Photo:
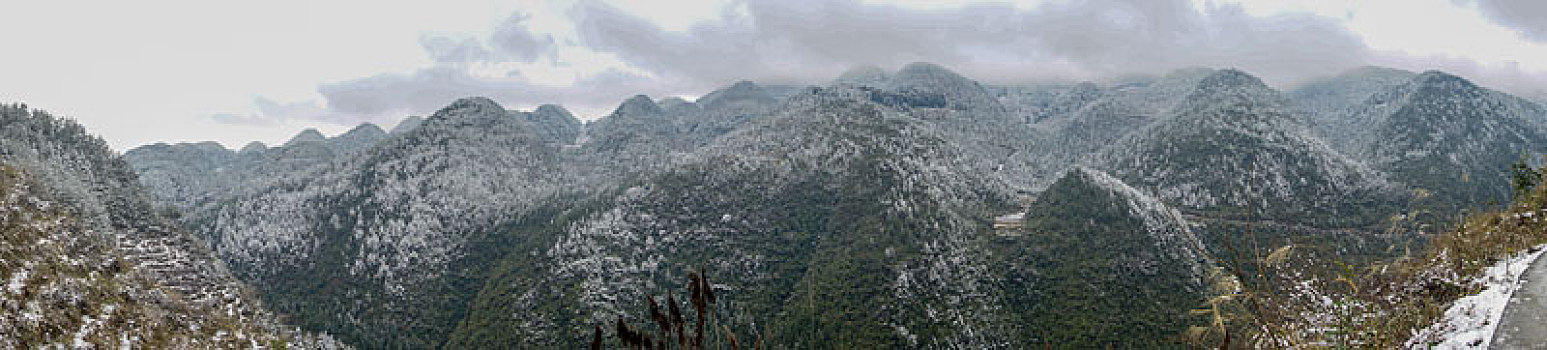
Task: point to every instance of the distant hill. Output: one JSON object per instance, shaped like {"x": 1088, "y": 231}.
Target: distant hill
{"x": 877, "y": 211}
{"x": 88, "y": 263}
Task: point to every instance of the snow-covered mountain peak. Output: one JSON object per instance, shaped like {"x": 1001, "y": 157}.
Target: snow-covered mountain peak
{"x": 639, "y": 105}
{"x": 1163, "y": 222}
{"x": 364, "y": 130}
{"x": 469, "y": 107}
{"x": 928, "y": 80}
{"x": 554, "y": 124}
{"x": 357, "y": 139}
{"x": 1156, "y": 214}
{"x": 254, "y": 147}
{"x": 678, "y": 106}
{"x": 1231, "y": 85}
{"x": 552, "y": 110}
{"x": 1433, "y": 79}
{"x": 409, "y": 123}
{"x": 743, "y": 93}
{"x": 308, "y": 135}
{"x": 863, "y": 76}
{"x": 930, "y": 76}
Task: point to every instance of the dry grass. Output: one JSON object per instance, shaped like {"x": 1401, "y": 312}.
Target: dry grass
{"x": 1310, "y": 300}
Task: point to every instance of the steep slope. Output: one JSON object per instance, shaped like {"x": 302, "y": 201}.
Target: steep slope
{"x": 407, "y": 124}
{"x": 642, "y": 135}
{"x": 88, "y": 263}
{"x": 1334, "y": 107}
{"x": 84, "y": 175}
{"x": 357, "y": 139}
{"x": 967, "y": 114}
{"x": 1099, "y": 263}
{"x": 678, "y": 106}
{"x": 1444, "y": 135}
{"x": 185, "y": 176}
{"x": 836, "y": 202}
{"x": 1035, "y": 103}
{"x": 1438, "y": 134}
{"x": 554, "y": 124}
{"x": 871, "y": 76}
{"x": 724, "y": 110}
{"x": 381, "y": 227}
{"x": 1232, "y": 140}
{"x": 957, "y": 91}
{"x": 376, "y": 248}
{"x": 310, "y": 135}
{"x": 1078, "y": 122}
{"x": 637, "y": 135}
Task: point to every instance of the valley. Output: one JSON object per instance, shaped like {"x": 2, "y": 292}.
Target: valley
{"x": 856, "y": 214}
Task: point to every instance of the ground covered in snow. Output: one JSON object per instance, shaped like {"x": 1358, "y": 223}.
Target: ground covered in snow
{"x": 1470, "y": 322}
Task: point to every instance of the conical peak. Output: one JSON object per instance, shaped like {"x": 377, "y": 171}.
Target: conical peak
{"x": 1229, "y": 87}
{"x": 1082, "y": 184}
{"x": 924, "y": 73}
{"x": 208, "y": 146}
{"x": 1231, "y": 79}
{"x": 308, "y": 135}
{"x": 673, "y": 101}
{"x": 253, "y": 147}
{"x": 470, "y": 106}
{"x": 409, "y": 123}
{"x": 863, "y": 76}
{"x": 678, "y": 106}
{"x": 552, "y": 110}
{"x": 923, "y": 67}
{"x": 550, "y": 114}
{"x": 365, "y": 129}
{"x": 959, "y": 92}
{"x": 638, "y": 105}
{"x": 1093, "y": 177}
{"x": 740, "y": 88}
{"x": 1436, "y": 79}
{"x": 744, "y": 85}
{"x": 735, "y": 94}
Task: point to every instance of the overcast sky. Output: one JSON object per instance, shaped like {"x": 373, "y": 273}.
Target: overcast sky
{"x": 139, "y": 72}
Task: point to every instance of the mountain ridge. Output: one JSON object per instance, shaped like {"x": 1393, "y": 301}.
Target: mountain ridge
{"x": 884, "y": 186}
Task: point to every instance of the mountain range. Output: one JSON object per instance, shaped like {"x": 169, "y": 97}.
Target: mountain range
{"x": 89, "y": 263}
{"x": 915, "y": 208}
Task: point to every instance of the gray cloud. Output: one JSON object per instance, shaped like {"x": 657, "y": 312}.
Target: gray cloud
{"x": 512, "y": 41}
{"x": 1509, "y": 77}
{"x": 809, "y": 41}
{"x": 1528, "y": 17}
{"x": 516, "y": 41}
{"x": 394, "y": 92}
{"x": 389, "y": 96}
{"x": 444, "y": 49}
{"x": 271, "y": 112}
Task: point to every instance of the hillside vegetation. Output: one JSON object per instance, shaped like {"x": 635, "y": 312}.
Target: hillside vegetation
{"x": 1309, "y": 296}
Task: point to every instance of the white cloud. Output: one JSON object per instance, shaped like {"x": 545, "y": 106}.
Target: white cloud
{"x": 810, "y": 42}
{"x": 184, "y": 70}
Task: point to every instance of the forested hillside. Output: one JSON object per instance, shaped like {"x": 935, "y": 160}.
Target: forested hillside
{"x": 915, "y": 208}
{"x": 88, "y": 263}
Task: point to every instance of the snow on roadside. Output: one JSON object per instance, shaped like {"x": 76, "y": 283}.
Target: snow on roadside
{"x": 1470, "y": 321}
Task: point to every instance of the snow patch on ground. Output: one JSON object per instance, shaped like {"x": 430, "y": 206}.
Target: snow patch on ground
{"x": 1469, "y": 322}
{"x": 17, "y": 282}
